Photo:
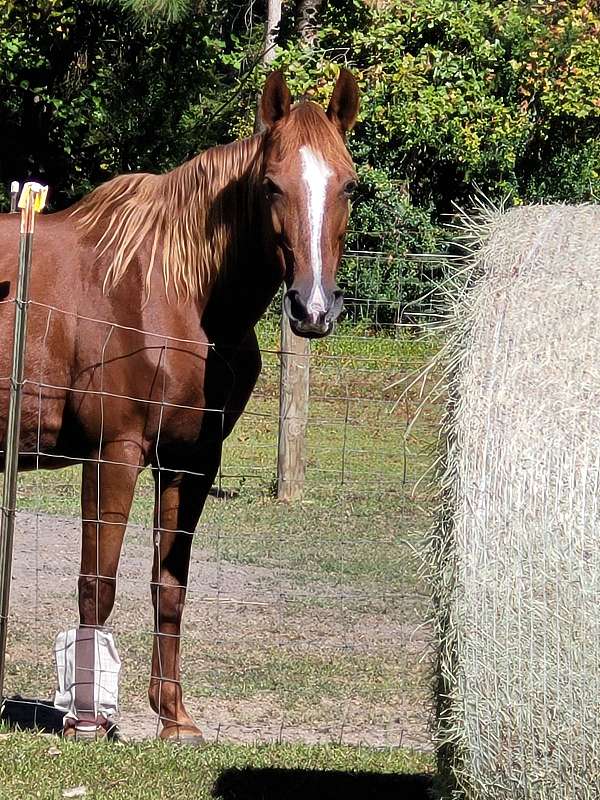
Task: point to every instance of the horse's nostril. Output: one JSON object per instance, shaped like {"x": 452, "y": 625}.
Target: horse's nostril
{"x": 336, "y": 307}
{"x": 317, "y": 318}
{"x": 313, "y": 314}
{"x": 294, "y": 306}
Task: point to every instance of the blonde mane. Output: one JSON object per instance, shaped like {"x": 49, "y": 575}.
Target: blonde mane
{"x": 187, "y": 214}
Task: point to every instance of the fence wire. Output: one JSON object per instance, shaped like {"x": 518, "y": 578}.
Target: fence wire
{"x": 302, "y": 622}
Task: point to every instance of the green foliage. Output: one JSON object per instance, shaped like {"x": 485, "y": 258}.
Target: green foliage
{"x": 501, "y": 96}
{"x": 459, "y": 96}
{"x": 87, "y": 92}
{"x": 387, "y": 231}
{"x": 465, "y": 93}
{"x": 148, "y": 10}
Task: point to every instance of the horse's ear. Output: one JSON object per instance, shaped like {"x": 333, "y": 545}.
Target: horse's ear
{"x": 343, "y": 106}
{"x": 276, "y": 99}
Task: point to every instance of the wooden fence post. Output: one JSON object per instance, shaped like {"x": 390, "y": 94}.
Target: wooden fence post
{"x": 295, "y": 353}
{"x": 293, "y": 412}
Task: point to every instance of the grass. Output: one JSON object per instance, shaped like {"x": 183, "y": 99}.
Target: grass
{"x": 329, "y": 646}
{"x": 36, "y": 766}
{"x": 355, "y": 438}
{"x": 369, "y": 549}
{"x": 360, "y": 464}
{"x": 304, "y": 682}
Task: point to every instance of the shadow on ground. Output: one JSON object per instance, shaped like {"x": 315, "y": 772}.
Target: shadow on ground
{"x": 31, "y": 714}
{"x": 27, "y": 714}
{"x": 303, "y": 784}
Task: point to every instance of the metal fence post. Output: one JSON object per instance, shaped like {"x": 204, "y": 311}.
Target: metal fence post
{"x": 14, "y": 196}
{"x": 32, "y": 201}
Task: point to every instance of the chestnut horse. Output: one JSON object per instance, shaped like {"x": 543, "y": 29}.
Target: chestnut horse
{"x": 141, "y": 348}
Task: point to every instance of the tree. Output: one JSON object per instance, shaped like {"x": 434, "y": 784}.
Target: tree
{"x": 148, "y": 10}
{"x": 498, "y": 94}
{"x": 86, "y": 93}
{"x": 270, "y": 41}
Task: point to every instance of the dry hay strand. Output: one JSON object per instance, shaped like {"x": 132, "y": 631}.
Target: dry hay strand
{"x": 515, "y": 557}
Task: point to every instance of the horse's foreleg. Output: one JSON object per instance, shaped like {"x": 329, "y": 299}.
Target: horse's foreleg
{"x": 106, "y": 495}
{"x": 89, "y": 694}
{"x": 179, "y": 502}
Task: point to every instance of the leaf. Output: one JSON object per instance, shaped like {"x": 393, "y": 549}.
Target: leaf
{"x": 76, "y": 791}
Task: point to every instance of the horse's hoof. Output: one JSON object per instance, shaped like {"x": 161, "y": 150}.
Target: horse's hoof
{"x": 85, "y": 733}
{"x": 77, "y": 732}
{"x": 188, "y": 736}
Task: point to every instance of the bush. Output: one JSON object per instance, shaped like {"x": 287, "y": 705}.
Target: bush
{"x": 465, "y": 93}
{"x": 381, "y": 275}
{"x": 457, "y": 95}
{"x": 86, "y": 92}
{"x": 457, "y": 98}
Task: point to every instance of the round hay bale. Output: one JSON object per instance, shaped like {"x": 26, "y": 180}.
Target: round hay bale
{"x": 516, "y": 556}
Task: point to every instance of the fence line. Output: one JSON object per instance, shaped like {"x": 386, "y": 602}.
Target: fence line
{"x": 287, "y": 599}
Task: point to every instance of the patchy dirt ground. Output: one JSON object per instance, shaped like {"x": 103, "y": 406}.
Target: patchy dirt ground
{"x": 265, "y": 656}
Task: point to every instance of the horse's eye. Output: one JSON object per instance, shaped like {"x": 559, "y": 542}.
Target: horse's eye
{"x": 271, "y": 188}
{"x": 349, "y": 188}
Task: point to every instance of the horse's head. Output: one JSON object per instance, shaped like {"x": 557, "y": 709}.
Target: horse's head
{"x": 307, "y": 181}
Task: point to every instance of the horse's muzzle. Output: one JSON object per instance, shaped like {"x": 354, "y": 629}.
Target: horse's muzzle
{"x": 312, "y": 323}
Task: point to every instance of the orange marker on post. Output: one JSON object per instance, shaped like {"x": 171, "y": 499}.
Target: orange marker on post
{"x": 31, "y": 202}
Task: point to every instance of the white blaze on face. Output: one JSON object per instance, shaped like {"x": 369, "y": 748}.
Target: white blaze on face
{"x": 315, "y": 174}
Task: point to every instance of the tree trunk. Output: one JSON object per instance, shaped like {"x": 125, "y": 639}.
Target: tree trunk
{"x": 273, "y": 20}
{"x": 271, "y": 32}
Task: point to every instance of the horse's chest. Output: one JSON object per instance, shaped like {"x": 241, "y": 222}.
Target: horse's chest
{"x": 143, "y": 385}
{"x": 182, "y": 405}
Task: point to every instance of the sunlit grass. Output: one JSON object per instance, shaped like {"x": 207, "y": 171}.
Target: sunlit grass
{"x": 34, "y": 766}
{"x": 332, "y": 580}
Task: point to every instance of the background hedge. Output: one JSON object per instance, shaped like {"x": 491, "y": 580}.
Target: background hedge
{"x": 457, "y": 96}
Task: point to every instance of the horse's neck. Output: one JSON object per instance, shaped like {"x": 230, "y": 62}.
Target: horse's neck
{"x": 244, "y": 290}
{"x": 239, "y": 242}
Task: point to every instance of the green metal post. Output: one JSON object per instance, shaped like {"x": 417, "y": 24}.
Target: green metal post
{"x": 11, "y": 460}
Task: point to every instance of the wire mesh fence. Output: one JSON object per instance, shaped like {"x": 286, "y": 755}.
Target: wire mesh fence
{"x": 302, "y": 622}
